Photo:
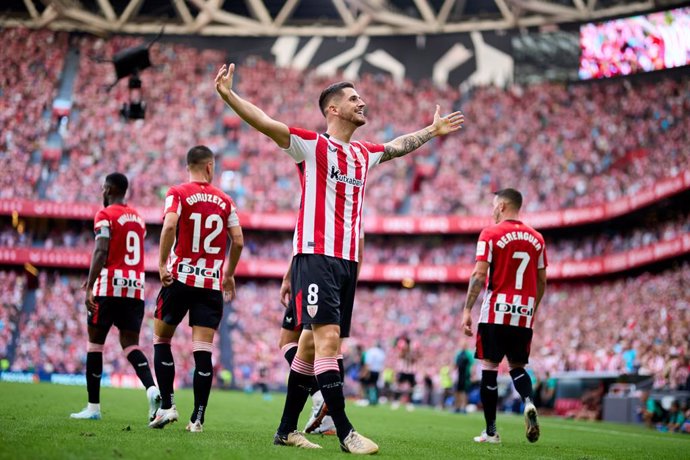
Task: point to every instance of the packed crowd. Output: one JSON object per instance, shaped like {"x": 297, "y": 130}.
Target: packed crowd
{"x": 29, "y": 75}
{"x": 388, "y": 249}
{"x": 577, "y": 328}
{"x": 561, "y": 146}
{"x": 11, "y": 295}
{"x": 181, "y": 111}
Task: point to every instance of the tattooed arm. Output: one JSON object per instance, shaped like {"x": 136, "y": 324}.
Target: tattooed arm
{"x": 477, "y": 280}
{"x": 409, "y": 142}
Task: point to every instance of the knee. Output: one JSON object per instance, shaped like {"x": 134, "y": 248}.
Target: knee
{"x": 328, "y": 344}
{"x": 128, "y": 340}
{"x": 516, "y": 366}
{"x": 489, "y": 366}
{"x": 287, "y": 337}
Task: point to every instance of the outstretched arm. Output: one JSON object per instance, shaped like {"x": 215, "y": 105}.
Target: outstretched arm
{"x": 247, "y": 111}
{"x": 409, "y": 142}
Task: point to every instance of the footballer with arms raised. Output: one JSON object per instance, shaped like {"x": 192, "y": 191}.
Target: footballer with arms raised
{"x": 333, "y": 173}
{"x": 115, "y": 292}
{"x": 511, "y": 264}
{"x": 199, "y": 219}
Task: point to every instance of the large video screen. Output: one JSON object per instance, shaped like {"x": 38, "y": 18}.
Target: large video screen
{"x": 636, "y": 44}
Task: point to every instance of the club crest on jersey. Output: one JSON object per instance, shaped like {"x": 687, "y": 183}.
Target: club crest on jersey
{"x": 128, "y": 283}
{"x": 312, "y": 309}
{"x": 340, "y": 177}
{"x": 186, "y": 269}
{"x": 514, "y": 309}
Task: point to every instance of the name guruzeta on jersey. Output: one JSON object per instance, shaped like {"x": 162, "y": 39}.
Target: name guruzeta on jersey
{"x": 207, "y": 198}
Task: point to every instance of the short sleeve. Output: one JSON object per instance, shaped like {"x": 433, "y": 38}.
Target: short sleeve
{"x": 173, "y": 202}
{"x": 233, "y": 218}
{"x": 101, "y": 225}
{"x": 484, "y": 247}
{"x": 542, "y": 263}
{"x": 302, "y": 142}
{"x": 375, "y": 153}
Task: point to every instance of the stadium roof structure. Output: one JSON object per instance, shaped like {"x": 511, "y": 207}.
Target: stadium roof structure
{"x": 335, "y": 18}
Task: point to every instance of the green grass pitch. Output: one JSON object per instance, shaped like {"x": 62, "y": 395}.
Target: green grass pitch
{"x": 35, "y": 424}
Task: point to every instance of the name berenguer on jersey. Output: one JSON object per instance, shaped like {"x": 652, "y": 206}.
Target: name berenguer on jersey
{"x": 518, "y": 236}
{"x": 207, "y": 198}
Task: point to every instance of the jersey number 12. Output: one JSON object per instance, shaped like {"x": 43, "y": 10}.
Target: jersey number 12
{"x": 214, "y": 222}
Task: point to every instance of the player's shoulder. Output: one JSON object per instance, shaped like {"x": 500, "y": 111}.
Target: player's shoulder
{"x": 102, "y": 213}
{"x": 129, "y": 209}
{"x": 303, "y": 133}
{"x": 368, "y": 146}
{"x": 491, "y": 231}
{"x": 532, "y": 230}
{"x": 216, "y": 191}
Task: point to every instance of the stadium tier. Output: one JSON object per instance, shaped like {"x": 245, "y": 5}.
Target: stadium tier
{"x": 569, "y": 150}
{"x": 421, "y": 258}
{"x": 581, "y": 327}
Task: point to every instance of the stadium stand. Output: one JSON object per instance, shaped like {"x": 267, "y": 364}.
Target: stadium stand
{"x": 547, "y": 131}
{"x": 581, "y": 327}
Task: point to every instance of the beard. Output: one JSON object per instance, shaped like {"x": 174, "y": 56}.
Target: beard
{"x": 359, "y": 120}
{"x": 105, "y": 202}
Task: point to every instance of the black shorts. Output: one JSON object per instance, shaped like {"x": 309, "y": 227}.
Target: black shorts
{"x": 406, "y": 377}
{"x": 124, "y": 312}
{"x": 290, "y": 318}
{"x": 494, "y": 341}
{"x": 205, "y": 306}
{"x": 323, "y": 291}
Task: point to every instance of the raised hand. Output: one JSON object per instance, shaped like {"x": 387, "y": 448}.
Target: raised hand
{"x": 224, "y": 80}
{"x": 449, "y": 123}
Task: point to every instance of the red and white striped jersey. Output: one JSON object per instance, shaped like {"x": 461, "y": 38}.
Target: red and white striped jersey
{"x": 407, "y": 362}
{"x": 333, "y": 175}
{"x": 123, "y": 272}
{"x": 515, "y": 252}
{"x": 205, "y": 213}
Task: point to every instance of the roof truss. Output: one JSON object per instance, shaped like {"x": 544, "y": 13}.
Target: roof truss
{"x": 349, "y": 18}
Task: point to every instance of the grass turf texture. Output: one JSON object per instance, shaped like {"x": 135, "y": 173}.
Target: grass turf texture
{"x": 35, "y": 424}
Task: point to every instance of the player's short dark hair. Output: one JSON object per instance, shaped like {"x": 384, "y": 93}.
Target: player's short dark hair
{"x": 118, "y": 181}
{"x": 510, "y": 195}
{"x": 336, "y": 89}
{"x": 199, "y": 154}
